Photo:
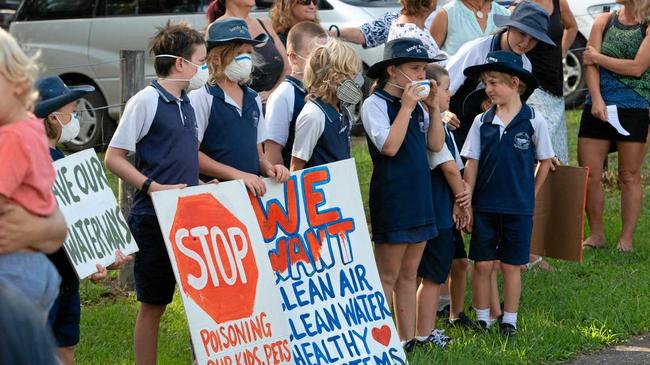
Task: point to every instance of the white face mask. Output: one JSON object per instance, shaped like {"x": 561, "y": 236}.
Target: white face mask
{"x": 239, "y": 70}
{"x": 197, "y": 81}
{"x": 69, "y": 131}
{"x": 424, "y": 83}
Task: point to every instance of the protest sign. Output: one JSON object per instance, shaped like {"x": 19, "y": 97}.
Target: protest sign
{"x": 315, "y": 230}
{"x": 96, "y": 226}
{"x": 224, "y": 274}
{"x": 558, "y": 224}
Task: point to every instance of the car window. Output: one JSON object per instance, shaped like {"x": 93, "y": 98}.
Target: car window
{"x": 55, "y": 9}
{"x": 150, "y": 7}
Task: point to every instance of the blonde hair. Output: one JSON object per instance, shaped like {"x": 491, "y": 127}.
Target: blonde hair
{"x": 18, "y": 68}
{"x": 327, "y": 66}
{"x": 220, "y": 56}
{"x": 282, "y": 18}
{"x": 506, "y": 78}
{"x": 641, "y": 10}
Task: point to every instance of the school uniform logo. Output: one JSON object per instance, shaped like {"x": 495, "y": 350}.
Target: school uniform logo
{"x": 255, "y": 115}
{"x": 522, "y": 141}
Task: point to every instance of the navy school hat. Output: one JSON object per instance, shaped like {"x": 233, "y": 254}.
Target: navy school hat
{"x": 226, "y": 30}
{"x": 401, "y": 50}
{"x": 506, "y": 62}
{"x": 55, "y": 94}
{"x": 529, "y": 18}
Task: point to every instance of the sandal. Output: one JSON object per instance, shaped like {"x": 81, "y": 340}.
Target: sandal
{"x": 587, "y": 244}
{"x": 620, "y": 248}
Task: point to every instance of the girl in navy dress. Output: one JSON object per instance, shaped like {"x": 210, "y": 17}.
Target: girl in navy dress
{"x": 228, "y": 112}
{"x": 396, "y": 119}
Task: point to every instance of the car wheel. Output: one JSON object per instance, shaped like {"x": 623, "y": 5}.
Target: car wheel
{"x": 96, "y": 126}
{"x": 575, "y": 84}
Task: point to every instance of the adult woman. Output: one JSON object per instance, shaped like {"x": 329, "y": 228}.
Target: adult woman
{"x": 287, "y": 13}
{"x": 460, "y": 21}
{"x": 272, "y": 55}
{"x": 410, "y": 24}
{"x": 623, "y": 79}
{"x": 548, "y": 99}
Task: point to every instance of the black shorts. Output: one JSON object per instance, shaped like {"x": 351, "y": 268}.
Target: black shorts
{"x": 437, "y": 256}
{"x": 154, "y": 277}
{"x": 504, "y": 237}
{"x": 634, "y": 121}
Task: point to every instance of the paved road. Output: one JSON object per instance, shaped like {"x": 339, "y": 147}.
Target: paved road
{"x": 636, "y": 351}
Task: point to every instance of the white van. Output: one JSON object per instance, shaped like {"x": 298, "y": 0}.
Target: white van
{"x": 80, "y": 41}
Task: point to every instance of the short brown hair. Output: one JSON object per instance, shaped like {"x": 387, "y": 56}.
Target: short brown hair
{"x": 415, "y": 7}
{"x": 436, "y": 72}
{"x": 302, "y": 33}
{"x": 173, "y": 39}
{"x": 507, "y": 78}
{"x": 282, "y": 18}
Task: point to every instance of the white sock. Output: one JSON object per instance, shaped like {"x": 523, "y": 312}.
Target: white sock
{"x": 421, "y": 338}
{"x": 483, "y": 315}
{"x": 510, "y": 318}
{"x": 443, "y": 301}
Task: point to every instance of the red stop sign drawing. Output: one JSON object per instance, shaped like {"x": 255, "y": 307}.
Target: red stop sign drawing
{"x": 215, "y": 258}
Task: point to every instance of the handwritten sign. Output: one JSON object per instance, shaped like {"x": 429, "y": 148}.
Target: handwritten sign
{"x": 222, "y": 268}
{"x": 96, "y": 226}
{"x": 316, "y": 234}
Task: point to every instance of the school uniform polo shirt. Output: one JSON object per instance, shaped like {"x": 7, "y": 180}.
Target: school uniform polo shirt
{"x": 322, "y": 134}
{"x": 229, "y": 133}
{"x": 282, "y": 110}
{"x": 505, "y": 181}
{"x": 160, "y": 130}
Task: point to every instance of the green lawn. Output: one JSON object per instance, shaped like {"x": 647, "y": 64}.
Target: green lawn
{"x": 575, "y": 309}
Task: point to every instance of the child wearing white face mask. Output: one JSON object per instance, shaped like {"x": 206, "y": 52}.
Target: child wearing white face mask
{"x": 229, "y": 114}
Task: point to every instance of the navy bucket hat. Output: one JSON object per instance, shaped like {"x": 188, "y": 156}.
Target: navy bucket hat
{"x": 226, "y": 30}
{"x": 529, "y": 18}
{"x": 401, "y": 50}
{"x": 506, "y": 62}
{"x": 55, "y": 94}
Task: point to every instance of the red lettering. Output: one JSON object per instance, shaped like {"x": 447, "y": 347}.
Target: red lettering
{"x": 314, "y": 197}
{"x": 277, "y": 216}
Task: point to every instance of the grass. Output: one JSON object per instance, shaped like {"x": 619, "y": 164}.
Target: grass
{"x": 575, "y": 309}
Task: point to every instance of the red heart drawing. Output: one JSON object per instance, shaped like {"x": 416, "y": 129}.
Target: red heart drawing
{"x": 382, "y": 335}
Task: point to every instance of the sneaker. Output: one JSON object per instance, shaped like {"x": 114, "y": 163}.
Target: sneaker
{"x": 462, "y": 321}
{"x": 444, "y": 312}
{"x": 507, "y": 330}
{"x": 437, "y": 338}
{"x": 483, "y": 326}
{"x": 409, "y": 346}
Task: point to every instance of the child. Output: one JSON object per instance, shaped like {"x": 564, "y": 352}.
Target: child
{"x": 502, "y": 146}
{"x": 399, "y": 135}
{"x": 526, "y": 26}
{"x": 439, "y": 252}
{"x": 229, "y": 114}
{"x": 57, "y": 106}
{"x": 27, "y": 175}
{"x": 158, "y": 126}
{"x": 323, "y": 126}
{"x": 286, "y": 102}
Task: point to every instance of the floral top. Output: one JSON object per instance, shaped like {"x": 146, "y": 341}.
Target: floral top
{"x": 375, "y": 32}
{"x": 410, "y": 30}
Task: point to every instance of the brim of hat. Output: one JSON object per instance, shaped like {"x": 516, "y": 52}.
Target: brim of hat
{"x": 261, "y": 38}
{"x": 375, "y": 70}
{"x": 47, "y": 107}
{"x": 502, "y": 21}
{"x": 473, "y": 72}
{"x": 474, "y": 100}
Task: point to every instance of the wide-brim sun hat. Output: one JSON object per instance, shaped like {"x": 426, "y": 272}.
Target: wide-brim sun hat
{"x": 506, "y": 62}
{"x": 529, "y": 18}
{"x": 55, "y": 94}
{"x": 399, "y": 51}
{"x": 225, "y": 30}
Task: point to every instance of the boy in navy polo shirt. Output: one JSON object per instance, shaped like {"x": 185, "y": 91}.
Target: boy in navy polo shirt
{"x": 502, "y": 147}
{"x": 286, "y": 102}
{"x": 158, "y": 126}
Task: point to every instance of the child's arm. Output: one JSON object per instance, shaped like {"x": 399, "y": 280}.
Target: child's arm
{"x": 543, "y": 150}
{"x": 471, "y": 171}
{"x": 273, "y": 152}
{"x": 297, "y": 164}
{"x": 19, "y": 229}
{"x": 117, "y": 163}
{"x": 278, "y": 171}
{"x": 435, "y": 133}
{"x": 210, "y": 167}
{"x": 400, "y": 125}
{"x": 542, "y": 172}
{"x": 452, "y": 174}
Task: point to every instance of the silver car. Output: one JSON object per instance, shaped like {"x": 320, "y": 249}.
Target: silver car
{"x": 80, "y": 41}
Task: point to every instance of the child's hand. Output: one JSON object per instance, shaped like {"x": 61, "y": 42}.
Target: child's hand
{"x": 254, "y": 184}
{"x": 464, "y": 199}
{"x": 213, "y": 181}
{"x": 452, "y": 120}
{"x": 160, "y": 187}
{"x": 100, "y": 275}
{"x": 470, "y": 220}
{"x": 280, "y": 172}
{"x": 432, "y": 100}
{"x": 460, "y": 217}
{"x": 410, "y": 96}
{"x": 120, "y": 260}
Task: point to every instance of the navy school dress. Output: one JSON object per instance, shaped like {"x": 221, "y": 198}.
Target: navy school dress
{"x": 230, "y": 138}
{"x": 443, "y": 196}
{"x": 299, "y": 95}
{"x": 401, "y": 202}
{"x": 334, "y": 143}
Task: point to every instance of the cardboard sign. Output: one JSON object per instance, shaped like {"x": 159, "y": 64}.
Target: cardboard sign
{"x": 225, "y": 278}
{"x": 558, "y": 225}
{"x": 315, "y": 231}
{"x": 96, "y": 226}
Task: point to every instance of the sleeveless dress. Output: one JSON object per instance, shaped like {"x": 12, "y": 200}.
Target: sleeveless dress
{"x": 268, "y": 73}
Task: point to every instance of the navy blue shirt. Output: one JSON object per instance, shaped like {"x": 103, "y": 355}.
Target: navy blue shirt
{"x": 334, "y": 143}
{"x": 443, "y": 196}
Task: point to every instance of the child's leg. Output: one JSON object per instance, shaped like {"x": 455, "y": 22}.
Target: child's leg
{"x": 66, "y": 355}
{"x": 483, "y": 250}
{"x": 405, "y": 291}
{"x": 389, "y": 260}
{"x": 145, "y": 336}
{"x": 457, "y": 284}
{"x": 511, "y": 287}
{"x": 481, "y": 284}
{"x": 427, "y": 302}
{"x": 495, "y": 303}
